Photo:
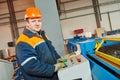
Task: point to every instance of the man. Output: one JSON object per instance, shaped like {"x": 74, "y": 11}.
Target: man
{"x": 35, "y": 54}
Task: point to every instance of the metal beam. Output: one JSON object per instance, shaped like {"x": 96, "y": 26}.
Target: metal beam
{"x": 109, "y": 21}
{"x": 58, "y": 2}
{"x": 90, "y": 6}
{"x": 5, "y": 23}
{"x": 69, "y": 1}
{"x": 2, "y": 2}
{"x": 4, "y": 17}
{"x": 97, "y": 14}
{"x": 77, "y": 16}
{"x": 90, "y": 14}
{"x": 13, "y": 21}
{"x": 5, "y": 1}
{"x": 14, "y": 12}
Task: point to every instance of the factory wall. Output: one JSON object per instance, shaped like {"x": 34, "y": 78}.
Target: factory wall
{"x": 5, "y": 31}
{"x": 5, "y": 27}
{"x": 5, "y": 36}
{"x": 111, "y": 11}
{"x": 80, "y": 14}
{"x": 75, "y": 15}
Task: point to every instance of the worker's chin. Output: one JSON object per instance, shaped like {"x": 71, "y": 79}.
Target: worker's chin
{"x": 37, "y": 30}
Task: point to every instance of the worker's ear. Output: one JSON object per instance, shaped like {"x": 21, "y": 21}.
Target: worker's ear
{"x": 27, "y": 22}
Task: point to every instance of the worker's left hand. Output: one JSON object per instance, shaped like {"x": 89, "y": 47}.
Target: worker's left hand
{"x": 59, "y": 66}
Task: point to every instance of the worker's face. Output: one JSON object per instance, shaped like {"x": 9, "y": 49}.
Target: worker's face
{"x": 34, "y": 24}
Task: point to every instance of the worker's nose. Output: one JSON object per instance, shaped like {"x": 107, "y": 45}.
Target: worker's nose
{"x": 37, "y": 22}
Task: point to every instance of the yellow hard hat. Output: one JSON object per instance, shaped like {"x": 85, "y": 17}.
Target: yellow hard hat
{"x": 32, "y": 13}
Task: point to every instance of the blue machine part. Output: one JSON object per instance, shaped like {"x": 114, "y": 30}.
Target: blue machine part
{"x": 71, "y": 45}
{"x": 71, "y": 48}
{"x": 78, "y": 39}
{"x": 100, "y": 69}
{"x": 87, "y": 47}
{"x": 113, "y": 32}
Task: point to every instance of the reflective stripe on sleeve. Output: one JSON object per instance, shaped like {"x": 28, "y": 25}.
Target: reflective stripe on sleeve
{"x": 27, "y": 60}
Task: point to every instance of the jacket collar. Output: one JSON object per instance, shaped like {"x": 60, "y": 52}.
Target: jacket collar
{"x": 29, "y": 33}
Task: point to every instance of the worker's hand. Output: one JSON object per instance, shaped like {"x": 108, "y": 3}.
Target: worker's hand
{"x": 59, "y": 66}
{"x": 61, "y": 60}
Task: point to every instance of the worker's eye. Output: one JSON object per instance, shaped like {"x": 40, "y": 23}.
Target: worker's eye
{"x": 39, "y": 20}
{"x": 33, "y": 21}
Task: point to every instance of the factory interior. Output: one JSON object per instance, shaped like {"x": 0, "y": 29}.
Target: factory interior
{"x": 84, "y": 33}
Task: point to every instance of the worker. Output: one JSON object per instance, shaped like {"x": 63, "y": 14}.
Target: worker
{"x": 36, "y": 56}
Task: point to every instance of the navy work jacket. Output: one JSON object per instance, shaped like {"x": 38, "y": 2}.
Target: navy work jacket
{"x": 36, "y": 56}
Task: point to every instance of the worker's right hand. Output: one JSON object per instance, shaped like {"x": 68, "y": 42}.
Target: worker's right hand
{"x": 59, "y": 66}
{"x": 61, "y": 59}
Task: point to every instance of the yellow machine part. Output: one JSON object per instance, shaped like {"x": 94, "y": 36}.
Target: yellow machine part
{"x": 98, "y": 45}
{"x": 108, "y": 58}
{"x": 111, "y": 39}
